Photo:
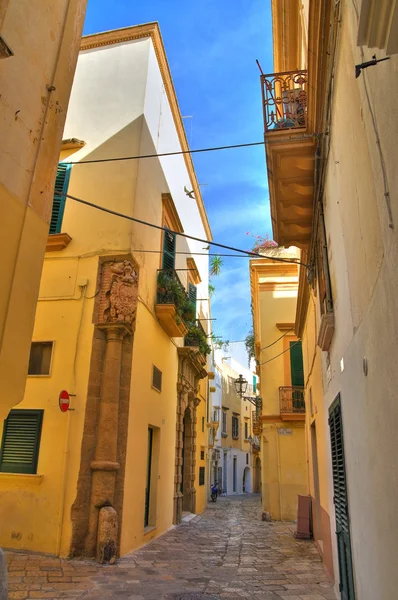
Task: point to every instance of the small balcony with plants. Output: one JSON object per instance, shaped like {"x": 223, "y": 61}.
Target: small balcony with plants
{"x": 173, "y": 307}
{"x": 196, "y": 337}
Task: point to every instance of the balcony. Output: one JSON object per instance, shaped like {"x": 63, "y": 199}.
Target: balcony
{"x": 173, "y": 308}
{"x": 284, "y": 100}
{"x": 292, "y": 405}
{"x": 290, "y": 149}
{"x": 196, "y": 337}
{"x": 257, "y": 425}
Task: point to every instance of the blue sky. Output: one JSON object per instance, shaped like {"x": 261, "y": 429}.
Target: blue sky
{"x": 212, "y": 46}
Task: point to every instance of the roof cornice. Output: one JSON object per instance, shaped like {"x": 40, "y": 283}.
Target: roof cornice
{"x": 152, "y": 31}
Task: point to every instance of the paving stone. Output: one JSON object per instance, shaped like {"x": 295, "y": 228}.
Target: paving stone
{"x": 227, "y": 554}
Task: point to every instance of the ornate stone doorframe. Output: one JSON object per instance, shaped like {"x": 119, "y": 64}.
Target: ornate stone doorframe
{"x": 96, "y": 512}
{"x": 190, "y": 371}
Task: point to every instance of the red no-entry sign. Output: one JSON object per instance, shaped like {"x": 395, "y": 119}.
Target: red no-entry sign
{"x": 64, "y": 400}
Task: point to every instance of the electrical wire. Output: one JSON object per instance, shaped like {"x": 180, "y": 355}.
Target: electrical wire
{"x": 279, "y": 338}
{"x": 184, "y": 235}
{"x": 195, "y": 253}
{"x": 280, "y": 354}
{"x": 215, "y": 148}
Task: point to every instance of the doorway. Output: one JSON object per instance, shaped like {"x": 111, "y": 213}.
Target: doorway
{"x": 257, "y": 487}
{"x": 246, "y": 480}
{"x": 341, "y": 502}
{"x": 187, "y": 463}
{"x": 234, "y": 473}
{"x": 148, "y": 477}
{"x": 224, "y": 481}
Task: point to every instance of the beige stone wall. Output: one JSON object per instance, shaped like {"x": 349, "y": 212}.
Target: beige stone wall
{"x": 361, "y": 213}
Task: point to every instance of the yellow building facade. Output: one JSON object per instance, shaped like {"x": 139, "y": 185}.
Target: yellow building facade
{"x": 42, "y": 44}
{"x": 278, "y": 352}
{"x": 121, "y": 324}
{"x": 330, "y": 129}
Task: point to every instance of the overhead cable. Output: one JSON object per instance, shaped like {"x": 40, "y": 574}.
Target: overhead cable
{"x": 280, "y": 354}
{"x": 185, "y": 235}
{"x": 213, "y": 149}
{"x": 279, "y": 338}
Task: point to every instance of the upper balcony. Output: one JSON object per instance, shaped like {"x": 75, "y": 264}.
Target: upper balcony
{"x": 197, "y": 338}
{"x": 292, "y": 404}
{"x": 284, "y": 100}
{"x": 290, "y": 149}
{"x": 173, "y": 307}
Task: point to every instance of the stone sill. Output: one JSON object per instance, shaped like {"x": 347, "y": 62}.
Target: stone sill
{"x": 57, "y": 242}
{"x": 20, "y": 479}
{"x": 224, "y": 435}
{"x": 149, "y": 529}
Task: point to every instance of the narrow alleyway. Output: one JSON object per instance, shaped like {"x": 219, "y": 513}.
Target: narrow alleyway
{"x": 226, "y": 553}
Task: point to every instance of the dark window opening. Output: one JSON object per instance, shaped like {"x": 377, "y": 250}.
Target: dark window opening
{"x": 157, "y": 379}
{"x": 40, "y": 358}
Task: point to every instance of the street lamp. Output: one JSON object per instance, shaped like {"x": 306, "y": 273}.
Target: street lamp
{"x": 241, "y": 387}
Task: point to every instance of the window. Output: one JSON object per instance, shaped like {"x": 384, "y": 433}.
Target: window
{"x": 203, "y": 424}
{"x": 224, "y": 423}
{"x": 192, "y": 293}
{"x": 296, "y": 364}
{"x": 235, "y": 428}
{"x": 21, "y": 440}
{"x": 40, "y": 358}
{"x": 202, "y": 455}
{"x": 247, "y": 459}
{"x": 246, "y": 430}
{"x": 201, "y": 475}
{"x": 169, "y": 250}
{"x": 157, "y": 379}
{"x": 60, "y": 188}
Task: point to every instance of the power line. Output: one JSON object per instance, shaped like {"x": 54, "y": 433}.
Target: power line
{"x": 194, "y": 253}
{"x": 279, "y": 338}
{"x": 280, "y": 354}
{"x": 212, "y": 149}
{"x": 185, "y": 235}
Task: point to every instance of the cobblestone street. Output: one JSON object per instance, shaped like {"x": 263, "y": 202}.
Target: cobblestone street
{"x": 226, "y": 553}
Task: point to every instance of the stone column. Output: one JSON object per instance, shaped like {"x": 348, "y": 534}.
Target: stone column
{"x": 105, "y": 465}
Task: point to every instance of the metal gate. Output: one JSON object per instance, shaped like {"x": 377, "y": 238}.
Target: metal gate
{"x": 341, "y": 502}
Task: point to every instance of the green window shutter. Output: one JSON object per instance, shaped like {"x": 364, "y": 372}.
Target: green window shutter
{"x": 254, "y": 384}
{"x": 192, "y": 293}
{"x": 60, "y": 188}
{"x": 169, "y": 250}
{"x": 21, "y": 440}
{"x": 296, "y": 364}
{"x": 341, "y": 502}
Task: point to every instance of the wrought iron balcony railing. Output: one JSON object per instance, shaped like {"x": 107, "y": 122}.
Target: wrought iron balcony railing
{"x": 284, "y": 100}
{"x": 291, "y": 400}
